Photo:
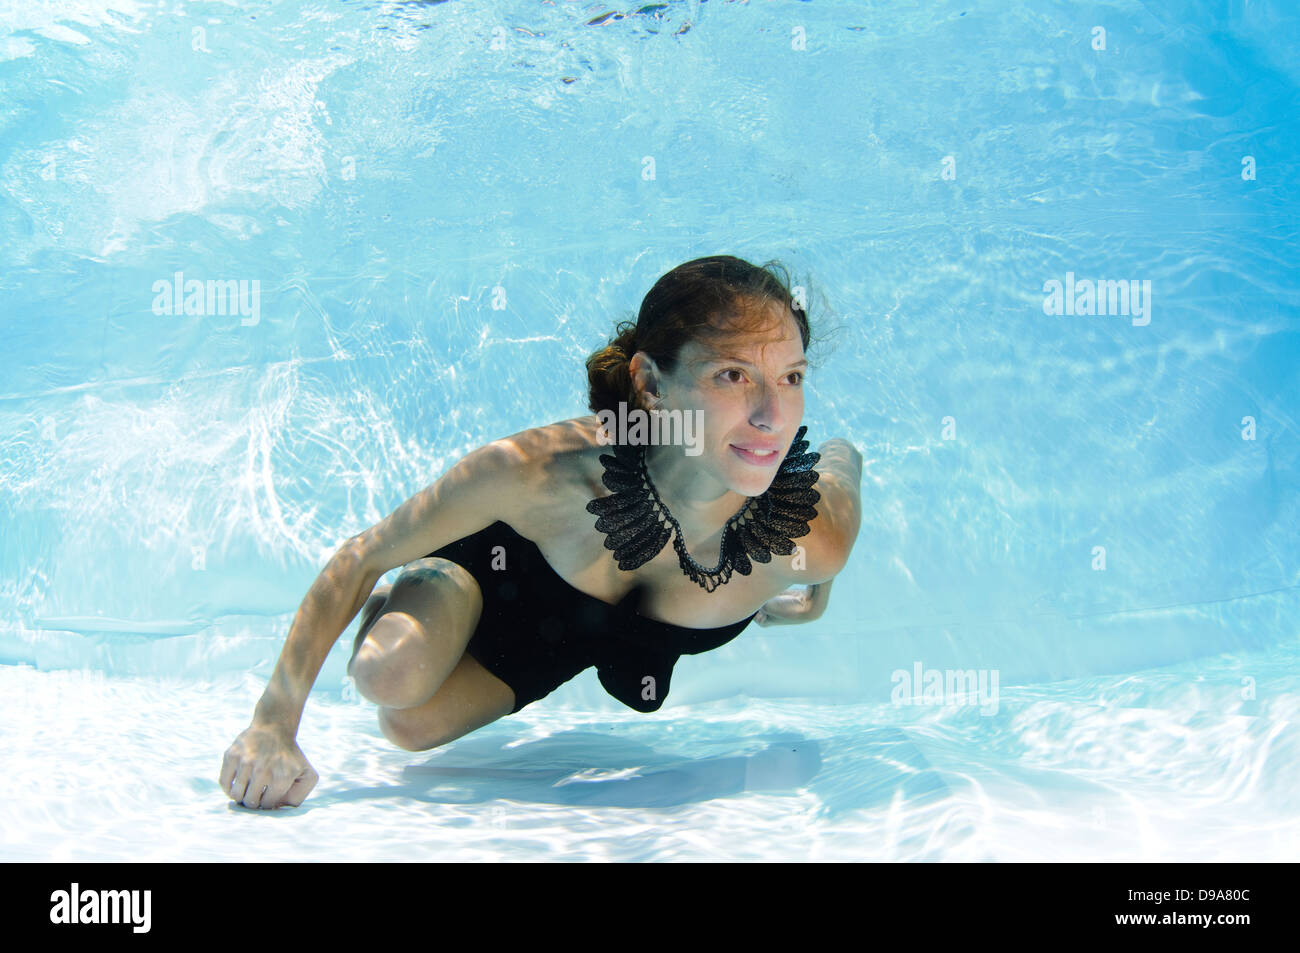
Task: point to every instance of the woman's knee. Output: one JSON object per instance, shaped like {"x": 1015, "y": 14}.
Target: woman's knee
{"x": 394, "y": 665}
{"x": 411, "y": 646}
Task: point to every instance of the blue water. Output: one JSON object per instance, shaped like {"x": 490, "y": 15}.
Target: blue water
{"x": 446, "y": 207}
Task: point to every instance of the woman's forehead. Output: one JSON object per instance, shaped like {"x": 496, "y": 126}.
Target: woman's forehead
{"x": 773, "y": 345}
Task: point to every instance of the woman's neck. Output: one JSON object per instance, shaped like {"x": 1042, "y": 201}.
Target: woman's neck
{"x": 700, "y": 504}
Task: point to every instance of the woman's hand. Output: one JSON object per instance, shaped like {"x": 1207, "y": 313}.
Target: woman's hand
{"x": 265, "y": 768}
{"x": 795, "y": 605}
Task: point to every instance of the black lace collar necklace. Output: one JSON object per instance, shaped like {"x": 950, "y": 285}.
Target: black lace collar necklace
{"x": 636, "y": 523}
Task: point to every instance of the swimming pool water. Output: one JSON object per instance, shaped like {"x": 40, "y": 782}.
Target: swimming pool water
{"x": 431, "y": 214}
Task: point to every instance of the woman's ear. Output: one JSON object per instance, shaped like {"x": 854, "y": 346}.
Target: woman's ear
{"x": 645, "y": 378}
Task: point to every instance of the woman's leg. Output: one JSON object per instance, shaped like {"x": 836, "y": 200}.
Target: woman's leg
{"x": 374, "y": 605}
{"x": 470, "y": 698}
{"x": 409, "y": 657}
{"x": 418, "y": 635}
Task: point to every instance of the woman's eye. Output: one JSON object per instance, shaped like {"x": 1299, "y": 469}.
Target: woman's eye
{"x": 797, "y": 375}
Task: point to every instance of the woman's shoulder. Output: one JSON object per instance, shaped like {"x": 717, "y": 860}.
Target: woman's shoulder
{"x": 562, "y": 460}
{"x": 558, "y": 449}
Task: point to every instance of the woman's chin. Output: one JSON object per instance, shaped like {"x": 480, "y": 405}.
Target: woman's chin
{"x": 750, "y": 484}
{"x": 745, "y": 478}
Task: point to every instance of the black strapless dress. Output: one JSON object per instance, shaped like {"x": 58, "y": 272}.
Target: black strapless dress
{"x": 537, "y": 631}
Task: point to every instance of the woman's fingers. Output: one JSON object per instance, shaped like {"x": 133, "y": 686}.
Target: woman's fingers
{"x": 229, "y": 767}
{"x": 300, "y": 788}
{"x": 239, "y": 787}
{"x": 265, "y": 768}
{"x": 792, "y": 607}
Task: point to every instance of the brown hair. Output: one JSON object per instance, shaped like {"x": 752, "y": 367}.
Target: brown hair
{"x": 683, "y": 306}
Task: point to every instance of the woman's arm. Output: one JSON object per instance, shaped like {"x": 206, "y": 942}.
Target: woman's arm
{"x": 796, "y": 605}
{"x": 839, "y": 515}
{"x": 470, "y": 496}
{"x": 840, "y": 484}
{"x": 264, "y": 767}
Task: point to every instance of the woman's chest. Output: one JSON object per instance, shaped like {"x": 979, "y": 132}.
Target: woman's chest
{"x": 565, "y": 534}
{"x": 575, "y": 551}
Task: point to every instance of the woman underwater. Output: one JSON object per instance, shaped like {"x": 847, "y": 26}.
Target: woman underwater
{"x": 550, "y": 547}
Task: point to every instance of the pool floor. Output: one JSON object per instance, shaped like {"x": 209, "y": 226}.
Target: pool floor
{"x": 1163, "y": 765}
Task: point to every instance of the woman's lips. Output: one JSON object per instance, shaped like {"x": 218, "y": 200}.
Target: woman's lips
{"x": 758, "y": 460}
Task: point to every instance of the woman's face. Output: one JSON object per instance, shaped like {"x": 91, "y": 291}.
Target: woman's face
{"x": 749, "y": 394}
